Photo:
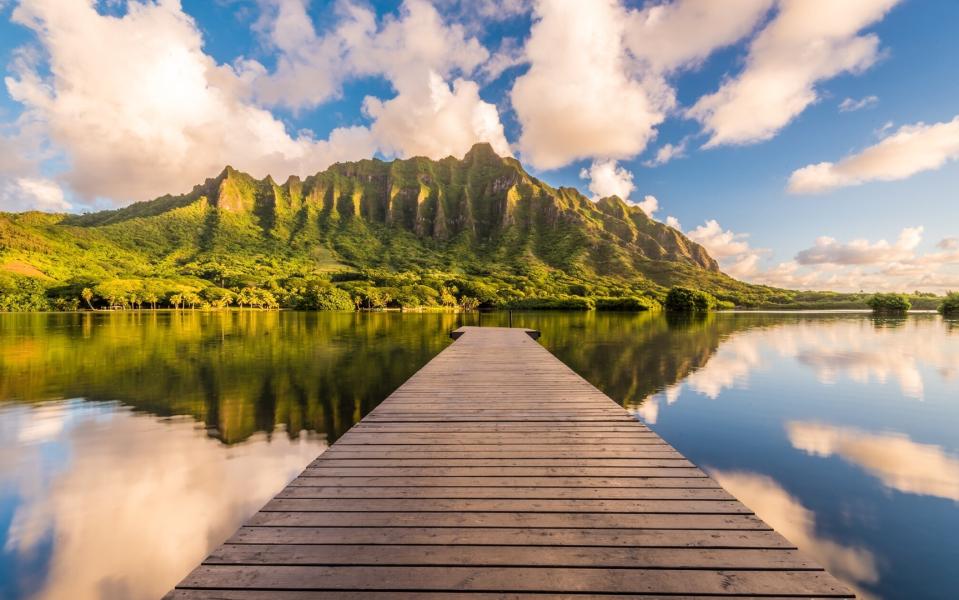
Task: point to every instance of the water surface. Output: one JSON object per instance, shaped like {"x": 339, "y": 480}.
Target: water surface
{"x": 131, "y": 444}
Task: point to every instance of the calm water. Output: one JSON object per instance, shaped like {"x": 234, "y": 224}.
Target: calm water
{"x": 131, "y": 444}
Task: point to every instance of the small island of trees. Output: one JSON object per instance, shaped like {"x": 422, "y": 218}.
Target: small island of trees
{"x": 889, "y": 304}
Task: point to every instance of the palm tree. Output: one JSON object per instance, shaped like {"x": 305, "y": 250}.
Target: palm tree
{"x": 176, "y": 300}
{"x": 152, "y": 299}
{"x": 87, "y": 295}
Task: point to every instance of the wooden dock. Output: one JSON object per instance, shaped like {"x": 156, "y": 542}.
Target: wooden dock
{"x": 498, "y": 472}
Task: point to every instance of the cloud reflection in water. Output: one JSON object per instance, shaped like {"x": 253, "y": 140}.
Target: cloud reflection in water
{"x": 899, "y": 462}
{"x": 131, "y": 502}
{"x": 788, "y": 516}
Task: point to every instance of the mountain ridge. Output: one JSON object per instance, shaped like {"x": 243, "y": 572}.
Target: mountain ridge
{"x": 482, "y": 217}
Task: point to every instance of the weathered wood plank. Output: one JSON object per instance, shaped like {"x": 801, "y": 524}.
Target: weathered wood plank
{"x": 514, "y": 536}
{"x": 506, "y": 519}
{"x": 725, "y": 507}
{"x": 331, "y": 461}
{"x": 321, "y": 470}
{"x": 511, "y": 556}
{"x": 497, "y": 472}
{"x": 515, "y": 579}
{"x": 504, "y": 492}
{"x": 572, "y": 482}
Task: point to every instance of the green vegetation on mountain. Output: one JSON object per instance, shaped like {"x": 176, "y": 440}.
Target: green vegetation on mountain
{"x": 416, "y": 233}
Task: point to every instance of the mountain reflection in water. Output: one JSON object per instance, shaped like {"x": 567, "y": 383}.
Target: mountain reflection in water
{"x": 132, "y": 443}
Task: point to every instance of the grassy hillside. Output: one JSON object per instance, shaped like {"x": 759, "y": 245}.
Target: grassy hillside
{"x": 408, "y": 233}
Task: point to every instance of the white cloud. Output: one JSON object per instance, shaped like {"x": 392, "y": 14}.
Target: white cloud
{"x": 865, "y": 265}
{"x": 683, "y": 33}
{"x": 309, "y": 69}
{"x": 416, "y": 51}
{"x": 808, "y": 41}
{"x": 851, "y": 105}
{"x": 910, "y": 150}
{"x": 899, "y": 462}
{"x": 435, "y": 121}
{"x": 607, "y": 178}
{"x": 736, "y": 257}
{"x": 668, "y": 152}
{"x": 674, "y": 223}
{"x": 861, "y": 252}
{"x": 579, "y": 98}
{"x": 158, "y": 115}
{"x": 29, "y": 193}
{"x": 649, "y": 204}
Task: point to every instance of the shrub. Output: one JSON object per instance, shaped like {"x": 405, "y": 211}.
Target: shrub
{"x": 889, "y": 303}
{"x": 680, "y": 299}
{"x": 627, "y": 303}
{"x": 553, "y": 303}
{"x": 950, "y": 306}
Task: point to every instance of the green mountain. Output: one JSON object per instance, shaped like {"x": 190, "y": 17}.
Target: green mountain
{"x": 413, "y": 232}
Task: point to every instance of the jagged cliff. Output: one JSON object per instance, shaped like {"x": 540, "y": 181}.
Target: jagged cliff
{"x": 484, "y": 205}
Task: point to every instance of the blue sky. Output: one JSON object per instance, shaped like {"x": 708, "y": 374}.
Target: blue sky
{"x": 818, "y": 138}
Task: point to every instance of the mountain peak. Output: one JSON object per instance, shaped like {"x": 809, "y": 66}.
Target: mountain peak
{"x": 481, "y": 151}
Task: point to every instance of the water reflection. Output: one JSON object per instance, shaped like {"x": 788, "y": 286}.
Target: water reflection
{"x": 774, "y": 505}
{"x": 236, "y": 372}
{"x": 190, "y": 421}
{"x": 107, "y": 503}
{"x": 860, "y": 349}
{"x": 899, "y": 462}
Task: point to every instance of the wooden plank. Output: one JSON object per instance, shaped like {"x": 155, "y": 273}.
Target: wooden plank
{"x": 222, "y": 594}
{"x": 504, "y": 492}
{"x": 415, "y": 461}
{"x": 512, "y": 556}
{"x": 570, "y": 482}
{"x": 725, "y": 507}
{"x": 518, "y": 579}
{"x": 497, "y": 472}
{"x": 506, "y": 519}
{"x": 513, "y": 536}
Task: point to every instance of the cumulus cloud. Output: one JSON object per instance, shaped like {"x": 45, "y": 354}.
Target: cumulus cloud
{"x": 668, "y": 152}
{"x": 436, "y": 120}
{"x": 158, "y": 115}
{"x": 865, "y": 265}
{"x": 827, "y": 250}
{"x": 674, "y": 223}
{"x": 579, "y": 99}
{"x": 607, "y": 178}
{"x": 30, "y": 193}
{"x": 851, "y": 105}
{"x": 736, "y": 257}
{"x": 808, "y": 41}
{"x": 309, "y": 69}
{"x": 416, "y": 51}
{"x": 910, "y": 150}
{"x": 683, "y": 33}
